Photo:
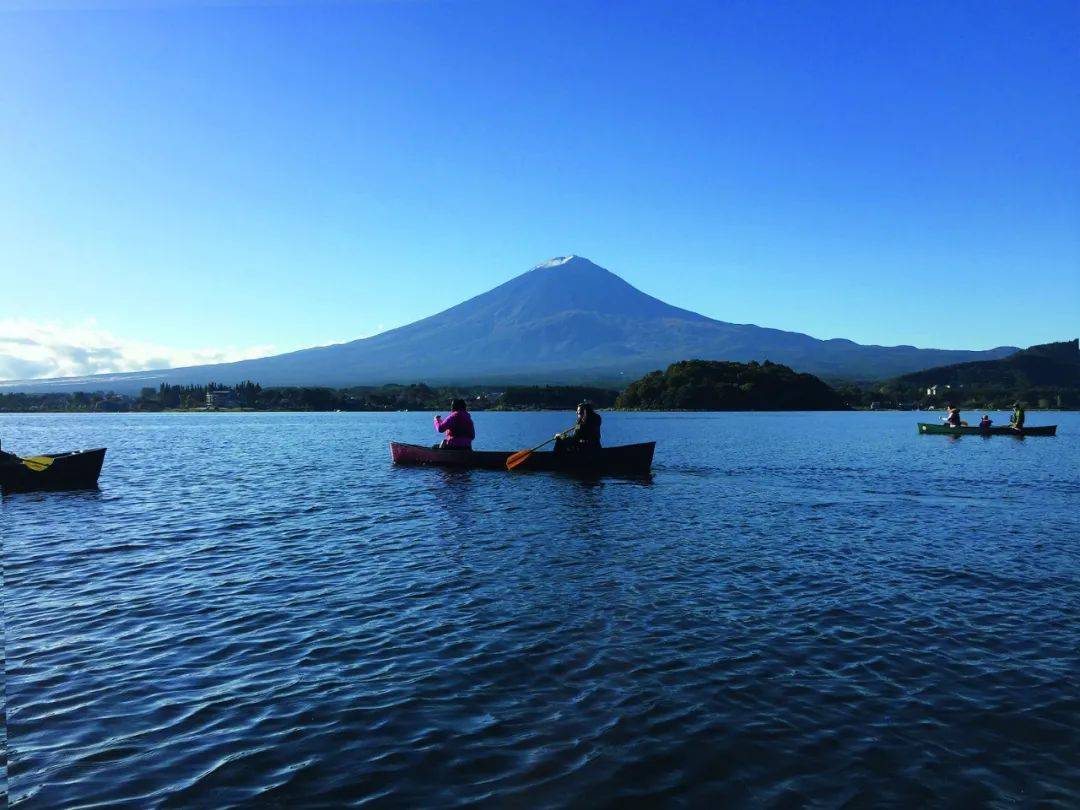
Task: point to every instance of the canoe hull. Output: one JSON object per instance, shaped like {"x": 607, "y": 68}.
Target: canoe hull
{"x": 76, "y": 470}
{"x": 626, "y": 459}
{"x": 945, "y": 430}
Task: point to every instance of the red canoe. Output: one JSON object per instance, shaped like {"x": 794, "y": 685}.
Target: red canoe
{"x": 627, "y": 458}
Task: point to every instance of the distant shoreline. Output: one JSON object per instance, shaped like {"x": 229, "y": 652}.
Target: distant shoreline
{"x": 694, "y": 386}
{"x": 856, "y": 409}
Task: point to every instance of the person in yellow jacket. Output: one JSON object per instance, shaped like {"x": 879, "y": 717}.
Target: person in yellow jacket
{"x": 1017, "y": 420}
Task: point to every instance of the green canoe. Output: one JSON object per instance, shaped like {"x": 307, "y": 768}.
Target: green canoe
{"x": 945, "y": 430}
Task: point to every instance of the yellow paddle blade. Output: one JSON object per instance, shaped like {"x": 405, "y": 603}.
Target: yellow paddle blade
{"x": 517, "y": 458}
{"x": 38, "y": 463}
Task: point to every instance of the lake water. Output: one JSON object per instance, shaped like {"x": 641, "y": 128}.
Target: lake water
{"x": 823, "y": 609}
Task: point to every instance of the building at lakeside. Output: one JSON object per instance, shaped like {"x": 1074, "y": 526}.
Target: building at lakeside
{"x": 221, "y": 398}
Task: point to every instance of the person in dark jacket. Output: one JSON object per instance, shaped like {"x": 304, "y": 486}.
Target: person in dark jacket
{"x": 585, "y": 435}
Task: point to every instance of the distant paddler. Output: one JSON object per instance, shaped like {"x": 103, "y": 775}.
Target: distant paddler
{"x": 1016, "y": 422}
{"x": 953, "y": 419}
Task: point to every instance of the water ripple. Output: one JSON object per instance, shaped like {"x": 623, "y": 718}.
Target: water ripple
{"x": 796, "y": 609}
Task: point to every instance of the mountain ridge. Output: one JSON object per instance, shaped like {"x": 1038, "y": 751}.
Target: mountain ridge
{"x": 1046, "y": 364}
{"x": 566, "y": 320}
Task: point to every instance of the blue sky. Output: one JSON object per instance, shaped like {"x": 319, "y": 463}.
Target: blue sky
{"x": 195, "y": 180}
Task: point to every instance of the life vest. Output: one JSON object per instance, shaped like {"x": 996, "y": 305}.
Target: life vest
{"x": 463, "y": 426}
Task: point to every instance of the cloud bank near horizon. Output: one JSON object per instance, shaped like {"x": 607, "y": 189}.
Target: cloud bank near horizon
{"x": 31, "y": 350}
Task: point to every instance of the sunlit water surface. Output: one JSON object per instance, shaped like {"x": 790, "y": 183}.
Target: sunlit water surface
{"x": 795, "y": 608}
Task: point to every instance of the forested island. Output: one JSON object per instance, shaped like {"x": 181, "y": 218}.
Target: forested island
{"x": 711, "y": 385}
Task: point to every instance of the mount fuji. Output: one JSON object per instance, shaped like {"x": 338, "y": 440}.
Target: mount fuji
{"x": 565, "y": 320}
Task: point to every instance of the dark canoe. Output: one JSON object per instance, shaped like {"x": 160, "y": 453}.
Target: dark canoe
{"x": 627, "y": 459}
{"x": 77, "y": 470}
{"x": 975, "y": 430}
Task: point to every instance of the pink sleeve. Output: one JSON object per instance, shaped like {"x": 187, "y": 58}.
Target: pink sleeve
{"x": 439, "y": 424}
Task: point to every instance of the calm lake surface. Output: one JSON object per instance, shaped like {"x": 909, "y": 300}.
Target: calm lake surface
{"x": 823, "y": 609}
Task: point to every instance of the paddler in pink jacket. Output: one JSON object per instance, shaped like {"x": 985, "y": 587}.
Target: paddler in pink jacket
{"x": 458, "y": 426}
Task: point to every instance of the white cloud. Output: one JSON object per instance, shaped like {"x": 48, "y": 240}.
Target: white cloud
{"x": 31, "y": 349}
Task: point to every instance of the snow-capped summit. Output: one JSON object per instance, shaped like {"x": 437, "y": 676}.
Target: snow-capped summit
{"x": 566, "y": 263}
{"x": 556, "y": 262}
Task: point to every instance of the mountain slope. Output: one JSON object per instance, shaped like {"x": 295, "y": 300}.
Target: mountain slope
{"x": 1049, "y": 364}
{"x": 566, "y": 320}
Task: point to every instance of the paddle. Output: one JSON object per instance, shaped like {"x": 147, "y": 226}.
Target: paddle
{"x": 518, "y": 458}
{"x": 963, "y": 422}
{"x": 37, "y": 463}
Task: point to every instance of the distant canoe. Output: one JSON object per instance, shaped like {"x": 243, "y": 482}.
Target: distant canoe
{"x": 627, "y": 458}
{"x": 76, "y": 470}
{"x": 945, "y": 430}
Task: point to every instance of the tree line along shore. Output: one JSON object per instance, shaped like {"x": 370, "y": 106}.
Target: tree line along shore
{"x": 1041, "y": 377}
{"x": 250, "y": 396}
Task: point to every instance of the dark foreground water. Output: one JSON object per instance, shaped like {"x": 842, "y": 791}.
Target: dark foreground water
{"x": 822, "y": 609}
